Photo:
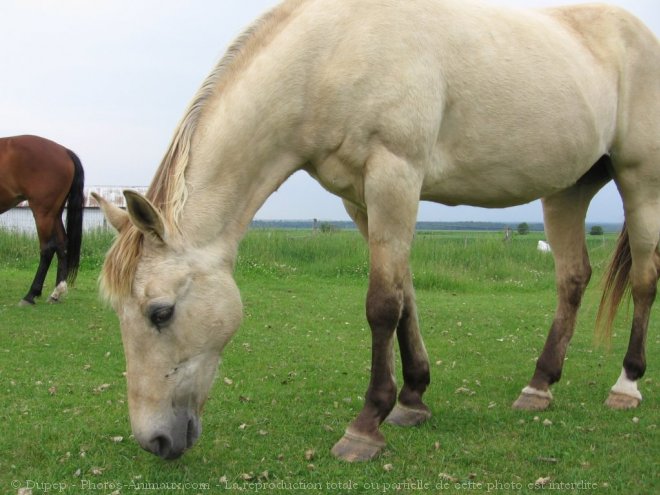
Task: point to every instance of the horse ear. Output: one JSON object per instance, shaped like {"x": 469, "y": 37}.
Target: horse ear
{"x": 117, "y": 217}
{"x": 145, "y": 216}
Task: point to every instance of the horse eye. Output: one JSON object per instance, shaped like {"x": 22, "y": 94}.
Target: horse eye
{"x": 161, "y": 315}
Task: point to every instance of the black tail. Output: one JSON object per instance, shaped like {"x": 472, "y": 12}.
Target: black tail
{"x": 74, "y": 218}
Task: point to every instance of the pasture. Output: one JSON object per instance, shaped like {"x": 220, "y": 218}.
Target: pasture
{"x": 295, "y": 373}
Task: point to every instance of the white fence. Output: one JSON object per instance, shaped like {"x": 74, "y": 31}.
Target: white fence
{"x": 21, "y": 220}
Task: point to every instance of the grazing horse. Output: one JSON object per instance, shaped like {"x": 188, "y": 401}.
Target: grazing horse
{"x": 386, "y": 103}
{"x": 48, "y": 176}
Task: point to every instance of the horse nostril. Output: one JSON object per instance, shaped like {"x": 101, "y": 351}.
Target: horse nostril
{"x": 193, "y": 431}
{"x": 161, "y": 445}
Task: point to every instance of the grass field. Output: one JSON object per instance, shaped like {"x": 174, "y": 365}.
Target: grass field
{"x": 294, "y": 375}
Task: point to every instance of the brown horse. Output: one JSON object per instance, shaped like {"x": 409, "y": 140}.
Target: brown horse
{"x": 47, "y": 175}
{"x": 386, "y": 103}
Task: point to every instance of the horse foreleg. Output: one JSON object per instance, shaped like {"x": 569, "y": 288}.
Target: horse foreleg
{"x": 391, "y": 195}
{"x": 410, "y": 410}
{"x": 363, "y": 440}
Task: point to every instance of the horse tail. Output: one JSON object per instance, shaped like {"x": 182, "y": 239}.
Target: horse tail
{"x": 74, "y": 218}
{"x": 616, "y": 287}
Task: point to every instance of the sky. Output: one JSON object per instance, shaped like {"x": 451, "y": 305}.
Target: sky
{"x": 110, "y": 79}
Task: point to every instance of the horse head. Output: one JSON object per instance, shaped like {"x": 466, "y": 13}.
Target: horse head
{"x": 181, "y": 309}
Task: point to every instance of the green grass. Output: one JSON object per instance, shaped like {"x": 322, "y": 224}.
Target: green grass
{"x": 298, "y": 368}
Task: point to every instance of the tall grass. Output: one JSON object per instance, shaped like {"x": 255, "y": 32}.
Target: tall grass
{"x": 18, "y": 249}
{"x": 21, "y": 249}
{"x": 452, "y": 261}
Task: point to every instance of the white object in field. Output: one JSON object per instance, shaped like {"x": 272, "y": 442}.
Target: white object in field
{"x": 544, "y": 247}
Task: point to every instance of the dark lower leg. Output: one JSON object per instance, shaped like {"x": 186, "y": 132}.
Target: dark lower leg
{"x": 381, "y": 394}
{"x": 635, "y": 360}
{"x": 537, "y": 396}
{"x": 62, "y": 268}
{"x": 570, "y": 291}
{"x": 414, "y": 358}
{"x": 384, "y": 307}
{"x": 550, "y": 363}
{"x": 38, "y": 282}
{"x": 363, "y": 440}
{"x": 625, "y": 394}
{"x": 62, "y": 271}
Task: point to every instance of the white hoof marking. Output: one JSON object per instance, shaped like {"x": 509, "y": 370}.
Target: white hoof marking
{"x": 625, "y": 386}
{"x": 546, "y": 394}
{"x": 59, "y": 291}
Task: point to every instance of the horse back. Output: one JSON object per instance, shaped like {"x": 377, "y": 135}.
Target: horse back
{"x": 33, "y": 167}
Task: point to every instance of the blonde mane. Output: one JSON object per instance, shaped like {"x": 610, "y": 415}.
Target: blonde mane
{"x": 168, "y": 189}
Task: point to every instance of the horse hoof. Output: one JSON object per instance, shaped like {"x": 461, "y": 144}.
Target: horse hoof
{"x": 25, "y": 304}
{"x": 57, "y": 294}
{"x": 358, "y": 448}
{"x": 621, "y": 401}
{"x": 407, "y": 416}
{"x": 532, "y": 402}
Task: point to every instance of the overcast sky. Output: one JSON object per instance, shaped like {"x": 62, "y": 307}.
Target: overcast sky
{"x": 110, "y": 79}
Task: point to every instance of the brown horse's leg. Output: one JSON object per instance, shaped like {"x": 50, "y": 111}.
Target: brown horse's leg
{"x": 47, "y": 249}
{"x": 643, "y": 230}
{"x": 62, "y": 267}
{"x": 564, "y": 215}
{"x": 391, "y": 195}
{"x": 45, "y": 258}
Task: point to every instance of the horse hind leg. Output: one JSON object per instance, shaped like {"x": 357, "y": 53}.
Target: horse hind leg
{"x": 564, "y": 215}
{"x": 643, "y": 225}
{"x": 62, "y": 266}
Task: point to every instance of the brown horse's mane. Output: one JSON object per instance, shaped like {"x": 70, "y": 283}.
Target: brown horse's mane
{"x": 168, "y": 189}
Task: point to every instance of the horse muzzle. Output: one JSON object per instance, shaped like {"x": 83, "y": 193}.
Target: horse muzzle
{"x": 171, "y": 441}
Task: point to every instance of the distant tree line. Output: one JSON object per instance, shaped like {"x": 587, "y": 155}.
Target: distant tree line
{"x": 523, "y": 229}
{"x": 425, "y": 225}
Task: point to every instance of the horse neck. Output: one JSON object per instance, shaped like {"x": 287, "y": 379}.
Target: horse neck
{"x": 240, "y": 155}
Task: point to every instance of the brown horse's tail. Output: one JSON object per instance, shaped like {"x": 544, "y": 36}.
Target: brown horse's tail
{"x": 74, "y": 218}
{"x": 616, "y": 287}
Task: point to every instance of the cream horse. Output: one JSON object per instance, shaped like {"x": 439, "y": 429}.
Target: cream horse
{"x": 385, "y": 103}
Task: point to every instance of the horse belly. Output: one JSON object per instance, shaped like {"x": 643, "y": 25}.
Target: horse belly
{"x": 481, "y": 162}
{"x": 492, "y": 186}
